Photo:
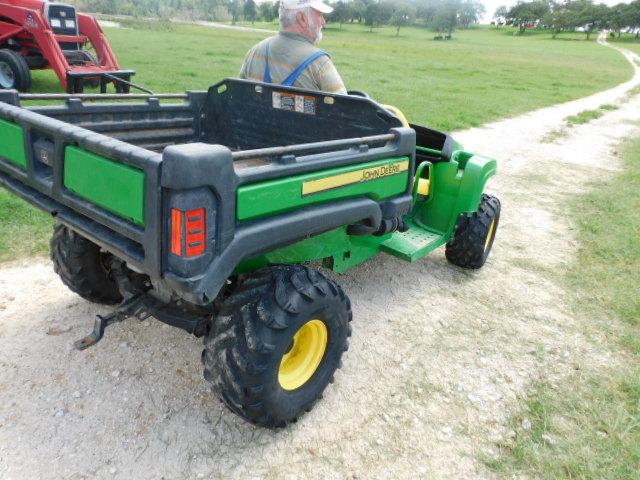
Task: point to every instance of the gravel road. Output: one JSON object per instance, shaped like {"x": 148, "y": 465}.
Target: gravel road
{"x": 438, "y": 358}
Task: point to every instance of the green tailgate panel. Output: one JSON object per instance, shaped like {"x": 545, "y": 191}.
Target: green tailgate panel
{"x": 12, "y": 143}
{"x": 377, "y": 180}
{"x": 111, "y": 185}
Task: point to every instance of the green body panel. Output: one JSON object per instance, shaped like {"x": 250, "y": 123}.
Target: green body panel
{"x": 12, "y": 143}
{"x": 456, "y": 187}
{"x": 111, "y": 185}
{"x": 453, "y": 191}
{"x": 277, "y": 196}
{"x": 339, "y": 251}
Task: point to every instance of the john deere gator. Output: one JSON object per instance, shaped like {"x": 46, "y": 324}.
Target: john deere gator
{"x": 217, "y": 212}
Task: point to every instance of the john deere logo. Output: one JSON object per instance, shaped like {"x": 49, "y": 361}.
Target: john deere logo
{"x": 383, "y": 171}
{"x": 356, "y": 176}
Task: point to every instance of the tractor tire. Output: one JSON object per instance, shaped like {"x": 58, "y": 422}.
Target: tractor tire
{"x": 474, "y": 235}
{"x": 14, "y": 71}
{"x": 81, "y": 266}
{"x": 276, "y": 343}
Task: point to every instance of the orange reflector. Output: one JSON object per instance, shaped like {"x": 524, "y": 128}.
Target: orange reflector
{"x": 196, "y": 229}
{"x": 176, "y": 232}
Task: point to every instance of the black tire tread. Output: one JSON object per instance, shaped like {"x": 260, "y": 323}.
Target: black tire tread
{"x": 23, "y": 80}
{"x": 237, "y": 351}
{"x": 76, "y": 260}
{"x": 466, "y": 248}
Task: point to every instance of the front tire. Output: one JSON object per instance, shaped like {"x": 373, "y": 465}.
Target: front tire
{"x": 14, "y": 71}
{"x": 276, "y": 343}
{"x": 474, "y": 235}
{"x": 82, "y": 266}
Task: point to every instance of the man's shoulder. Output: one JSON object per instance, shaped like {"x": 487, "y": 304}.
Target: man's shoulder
{"x": 261, "y": 45}
{"x": 295, "y": 42}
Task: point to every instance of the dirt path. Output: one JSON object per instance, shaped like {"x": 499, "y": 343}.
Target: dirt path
{"x": 437, "y": 359}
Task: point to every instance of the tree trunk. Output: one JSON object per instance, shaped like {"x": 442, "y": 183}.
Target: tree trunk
{"x": 398, "y": 31}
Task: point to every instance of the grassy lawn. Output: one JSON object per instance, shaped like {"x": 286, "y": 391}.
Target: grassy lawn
{"x": 483, "y": 74}
{"x": 628, "y": 41}
{"x": 589, "y": 426}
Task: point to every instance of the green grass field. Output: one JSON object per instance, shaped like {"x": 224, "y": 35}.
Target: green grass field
{"x": 483, "y": 74}
{"x": 588, "y": 426}
{"x": 628, "y": 41}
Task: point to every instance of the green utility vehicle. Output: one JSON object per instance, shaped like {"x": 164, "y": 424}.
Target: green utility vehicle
{"x": 211, "y": 211}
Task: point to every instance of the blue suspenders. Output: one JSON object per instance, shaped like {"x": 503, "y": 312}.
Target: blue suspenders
{"x": 290, "y": 80}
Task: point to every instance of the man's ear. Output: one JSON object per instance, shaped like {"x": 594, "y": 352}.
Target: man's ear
{"x": 301, "y": 19}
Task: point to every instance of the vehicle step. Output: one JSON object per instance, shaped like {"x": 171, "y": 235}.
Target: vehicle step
{"x": 413, "y": 244}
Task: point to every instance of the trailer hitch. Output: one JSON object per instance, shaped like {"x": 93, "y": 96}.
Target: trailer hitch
{"x": 137, "y": 303}
{"x": 131, "y": 306}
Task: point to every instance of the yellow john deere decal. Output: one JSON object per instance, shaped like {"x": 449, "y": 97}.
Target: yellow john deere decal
{"x": 357, "y": 176}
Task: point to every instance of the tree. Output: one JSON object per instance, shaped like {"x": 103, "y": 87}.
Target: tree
{"x": 250, "y": 11}
{"x": 341, "y": 13}
{"x": 500, "y": 14}
{"x": 357, "y": 11}
{"x": 233, "y": 6}
{"x": 589, "y": 16}
{"x": 559, "y": 18}
{"x": 445, "y": 18}
{"x": 470, "y": 11}
{"x": 403, "y": 15}
{"x": 618, "y": 18}
{"x": 426, "y": 9}
{"x": 377, "y": 14}
{"x": 633, "y": 16}
{"x": 266, "y": 12}
{"x": 525, "y": 14}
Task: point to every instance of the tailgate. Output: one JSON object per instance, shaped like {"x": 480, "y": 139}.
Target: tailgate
{"x": 105, "y": 189}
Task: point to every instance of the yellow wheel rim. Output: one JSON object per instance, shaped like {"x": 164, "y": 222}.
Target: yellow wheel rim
{"x": 490, "y": 234}
{"x": 303, "y": 358}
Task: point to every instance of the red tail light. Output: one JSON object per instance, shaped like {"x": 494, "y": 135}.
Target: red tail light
{"x": 196, "y": 232}
{"x": 194, "y": 240}
{"x": 176, "y": 232}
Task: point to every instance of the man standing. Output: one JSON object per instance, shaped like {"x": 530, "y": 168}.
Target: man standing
{"x": 291, "y": 57}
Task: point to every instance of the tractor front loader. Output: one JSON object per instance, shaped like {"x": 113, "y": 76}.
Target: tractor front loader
{"x": 35, "y": 34}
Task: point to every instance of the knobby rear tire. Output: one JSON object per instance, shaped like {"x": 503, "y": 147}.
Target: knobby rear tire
{"x": 81, "y": 265}
{"x": 254, "y": 329}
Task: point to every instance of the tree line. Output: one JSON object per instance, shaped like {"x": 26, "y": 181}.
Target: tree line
{"x": 442, "y": 16}
{"x": 569, "y": 15}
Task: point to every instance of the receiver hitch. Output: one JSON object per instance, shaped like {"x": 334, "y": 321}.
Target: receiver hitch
{"x": 131, "y": 306}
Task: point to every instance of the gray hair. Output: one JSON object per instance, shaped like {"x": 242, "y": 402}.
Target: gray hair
{"x": 288, "y": 16}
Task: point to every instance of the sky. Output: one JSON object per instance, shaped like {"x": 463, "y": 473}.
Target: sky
{"x": 492, "y": 5}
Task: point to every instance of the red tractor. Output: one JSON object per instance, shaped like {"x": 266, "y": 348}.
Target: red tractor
{"x": 35, "y": 34}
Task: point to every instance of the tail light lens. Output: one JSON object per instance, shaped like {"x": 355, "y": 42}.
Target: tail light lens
{"x": 190, "y": 240}
{"x": 176, "y": 232}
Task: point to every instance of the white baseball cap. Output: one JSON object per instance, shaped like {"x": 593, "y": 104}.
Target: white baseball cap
{"x": 300, "y": 4}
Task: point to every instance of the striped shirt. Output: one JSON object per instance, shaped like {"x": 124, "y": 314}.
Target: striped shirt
{"x": 286, "y": 52}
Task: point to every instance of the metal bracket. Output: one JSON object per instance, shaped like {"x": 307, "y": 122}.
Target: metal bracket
{"x": 133, "y": 307}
